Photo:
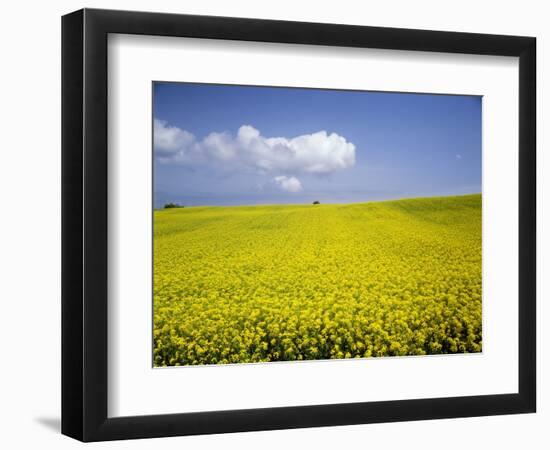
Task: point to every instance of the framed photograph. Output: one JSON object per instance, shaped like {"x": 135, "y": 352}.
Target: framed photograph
{"x": 273, "y": 224}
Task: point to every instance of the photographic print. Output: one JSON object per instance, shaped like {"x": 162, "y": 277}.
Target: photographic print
{"x": 295, "y": 224}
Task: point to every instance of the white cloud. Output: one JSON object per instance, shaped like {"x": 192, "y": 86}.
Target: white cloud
{"x": 171, "y": 142}
{"x": 317, "y": 153}
{"x": 290, "y": 184}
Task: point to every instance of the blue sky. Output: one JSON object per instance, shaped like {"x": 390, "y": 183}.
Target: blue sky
{"x": 213, "y": 145}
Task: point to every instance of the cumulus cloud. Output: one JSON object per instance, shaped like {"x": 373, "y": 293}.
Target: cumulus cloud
{"x": 290, "y": 184}
{"x": 316, "y": 153}
{"x": 170, "y": 142}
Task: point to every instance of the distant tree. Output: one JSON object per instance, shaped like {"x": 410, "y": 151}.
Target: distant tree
{"x": 316, "y": 202}
{"x": 172, "y": 205}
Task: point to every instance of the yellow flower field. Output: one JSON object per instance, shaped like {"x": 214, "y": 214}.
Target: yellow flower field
{"x": 301, "y": 282}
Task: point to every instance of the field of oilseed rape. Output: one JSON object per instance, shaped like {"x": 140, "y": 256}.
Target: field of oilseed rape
{"x": 301, "y": 282}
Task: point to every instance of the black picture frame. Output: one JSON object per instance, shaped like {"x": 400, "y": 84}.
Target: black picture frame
{"x": 84, "y": 224}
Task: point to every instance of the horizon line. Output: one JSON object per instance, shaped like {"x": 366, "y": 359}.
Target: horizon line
{"x": 310, "y": 203}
